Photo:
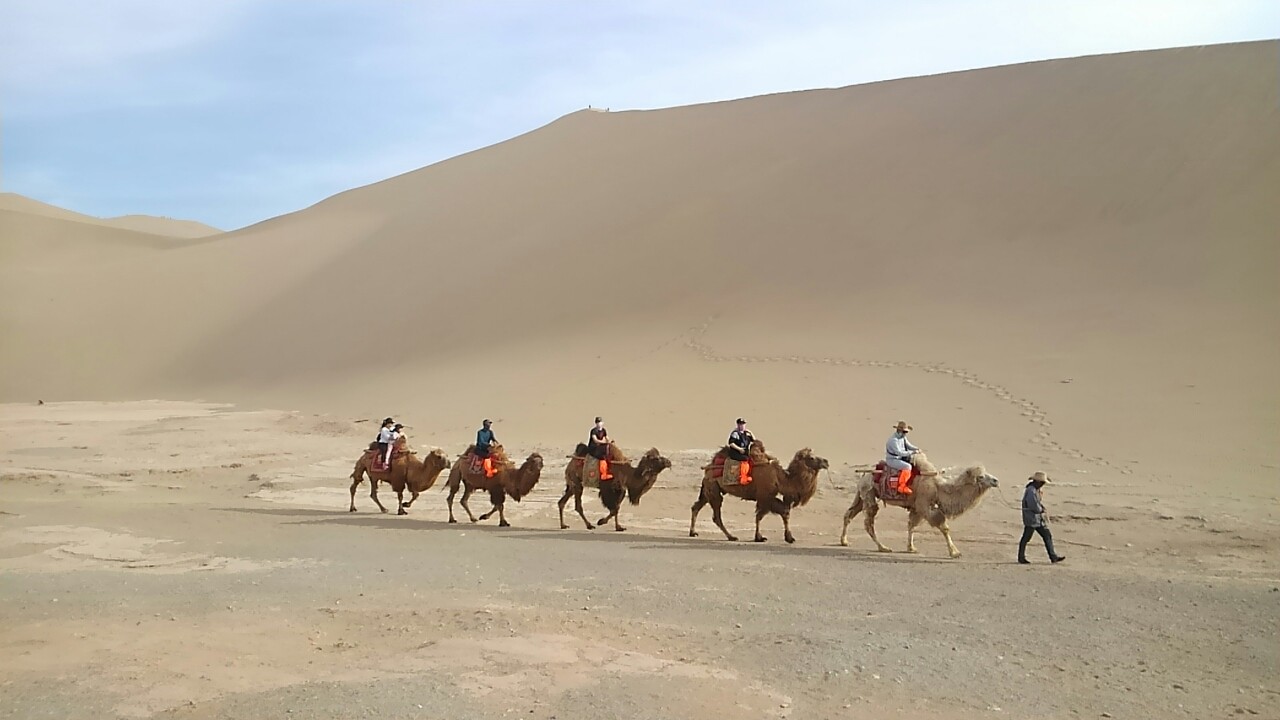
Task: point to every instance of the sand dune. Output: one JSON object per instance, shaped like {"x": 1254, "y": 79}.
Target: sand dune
{"x": 163, "y": 226}
{"x": 1065, "y": 263}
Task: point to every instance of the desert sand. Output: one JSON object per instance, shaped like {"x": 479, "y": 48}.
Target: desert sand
{"x": 1064, "y": 266}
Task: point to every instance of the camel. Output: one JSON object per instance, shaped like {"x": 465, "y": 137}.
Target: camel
{"x": 509, "y": 480}
{"x": 796, "y": 484}
{"x": 632, "y": 481}
{"x": 935, "y": 499}
{"x": 406, "y": 471}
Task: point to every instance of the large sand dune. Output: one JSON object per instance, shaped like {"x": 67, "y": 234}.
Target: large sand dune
{"x": 1090, "y": 242}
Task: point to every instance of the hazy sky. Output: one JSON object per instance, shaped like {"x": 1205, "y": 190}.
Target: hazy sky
{"x": 232, "y": 111}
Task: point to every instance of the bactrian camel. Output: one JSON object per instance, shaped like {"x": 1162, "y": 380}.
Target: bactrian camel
{"x": 406, "y": 471}
{"x": 796, "y": 485}
{"x": 508, "y": 481}
{"x": 633, "y": 481}
{"x": 935, "y": 499}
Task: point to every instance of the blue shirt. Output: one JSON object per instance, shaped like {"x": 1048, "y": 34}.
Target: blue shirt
{"x": 484, "y": 438}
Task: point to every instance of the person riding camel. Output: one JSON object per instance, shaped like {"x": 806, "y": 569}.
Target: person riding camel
{"x": 485, "y": 441}
{"x": 898, "y": 452}
{"x": 598, "y": 442}
{"x": 740, "y": 440}
{"x": 396, "y": 434}
{"x": 385, "y": 438}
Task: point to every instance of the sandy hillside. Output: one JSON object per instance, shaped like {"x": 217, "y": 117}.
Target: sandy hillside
{"x": 1082, "y": 250}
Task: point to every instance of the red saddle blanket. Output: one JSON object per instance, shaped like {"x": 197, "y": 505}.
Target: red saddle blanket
{"x": 886, "y": 481}
{"x": 718, "y": 462}
{"x": 375, "y": 459}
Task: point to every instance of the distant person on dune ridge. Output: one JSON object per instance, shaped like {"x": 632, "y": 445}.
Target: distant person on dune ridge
{"x": 485, "y": 440}
{"x": 898, "y": 452}
{"x": 1035, "y": 520}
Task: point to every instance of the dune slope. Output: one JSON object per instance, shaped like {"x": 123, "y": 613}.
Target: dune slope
{"x": 1067, "y": 262}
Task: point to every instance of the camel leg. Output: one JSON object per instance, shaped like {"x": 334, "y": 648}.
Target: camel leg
{"x": 355, "y": 483}
{"x": 453, "y": 490}
{"x": 786, "y": 527}
{"x": 761, "y": 510}
{"x": 716, "y": 502}
{"x": 913, "y": 519}
{"x": 869, "y": 522}
{"x": 849, "y": 515}
{"x": 499, "y": 506}
{"x": 400, "y": 499}
{"x": 564, "y": 499}
{"x": 946, "y": 533}
{"x": 463, "y": 502}
{"x": 577, "y": 506}
{"x": 373, "y": 493}
{"x": 696, "y": 508}
{"x": 411, "y": 499}
{"x": 616, "y": 526}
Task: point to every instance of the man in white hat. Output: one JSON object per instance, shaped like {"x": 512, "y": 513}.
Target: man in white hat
{"x": 897, "y": 455}
{"x": 1034, "y": 519}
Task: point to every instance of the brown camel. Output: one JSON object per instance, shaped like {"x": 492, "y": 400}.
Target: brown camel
{"x": 406, "y": 471}
{"x": 796, "y": 484}
{"x": 631, "y": 481}
{"x": 509, "y": 480}
{"x": 935, "y": 499}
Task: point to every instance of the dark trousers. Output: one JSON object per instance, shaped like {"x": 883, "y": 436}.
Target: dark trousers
{"x": 1026, "y": 535}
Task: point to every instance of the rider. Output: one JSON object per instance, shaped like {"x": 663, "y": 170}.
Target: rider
{"x": 385, "y": 438}
{"x": 598, "y": 442}
{"x": 396, "y": 434}
{"x": 740, "y": 440}
{"x": 898, "y": 452}
{"x": 485, "y": 441}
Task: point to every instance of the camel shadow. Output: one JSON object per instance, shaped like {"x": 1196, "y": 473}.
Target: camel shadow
{"x": 659, "y": 542}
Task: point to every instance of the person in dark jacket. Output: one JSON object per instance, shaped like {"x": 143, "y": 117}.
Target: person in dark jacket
{"x": 485, "y": 441}
{"x": 598, "y": 442}
{"x": 1034, "y": 519}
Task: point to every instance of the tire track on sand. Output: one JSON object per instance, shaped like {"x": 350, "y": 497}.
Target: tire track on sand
{"x": 1029, "y": 409}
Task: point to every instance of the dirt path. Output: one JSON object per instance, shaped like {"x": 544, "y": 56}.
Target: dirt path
{"x": 177, "y": 560}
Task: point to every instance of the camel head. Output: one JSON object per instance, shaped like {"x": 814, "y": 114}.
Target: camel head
{"x": 978, "y": 475}
{"x": 435, "y": 461}
{"x": 526, "y": 477}
{"x": 811, "y": 461}
{"x": 652, "y": 462}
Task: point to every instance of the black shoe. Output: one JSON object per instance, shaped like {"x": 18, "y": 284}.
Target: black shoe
{"x": 1058, "y": 559}
{"x": 1021, "y": 561}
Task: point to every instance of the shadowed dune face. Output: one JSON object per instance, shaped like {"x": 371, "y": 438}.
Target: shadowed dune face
{"x": 1031, "y": 248}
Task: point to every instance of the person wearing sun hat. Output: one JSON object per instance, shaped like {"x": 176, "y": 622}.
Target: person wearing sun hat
{"x": 898, "y": 452}
{"x": 1034, "y": 519}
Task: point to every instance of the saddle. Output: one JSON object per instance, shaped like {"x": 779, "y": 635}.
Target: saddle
{"x": 375, "y": 456}
{"x": 885, "y": 479}
{"x": 724, "y": 469}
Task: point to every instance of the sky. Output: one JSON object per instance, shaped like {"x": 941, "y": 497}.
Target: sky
{"x": 234, "y": 111}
